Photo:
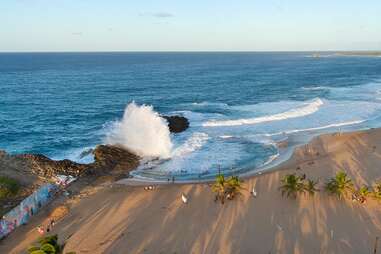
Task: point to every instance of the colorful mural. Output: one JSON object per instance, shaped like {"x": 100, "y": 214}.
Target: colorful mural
{"x": 28, "y": 207}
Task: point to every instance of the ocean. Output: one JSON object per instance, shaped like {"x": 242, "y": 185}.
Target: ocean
{"x": 239, "y": 105}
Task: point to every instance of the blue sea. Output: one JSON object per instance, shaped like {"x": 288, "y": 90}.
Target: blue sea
{"x": 239, "y": 104}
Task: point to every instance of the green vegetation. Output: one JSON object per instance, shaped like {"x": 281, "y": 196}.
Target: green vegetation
{"x": 364, "y": 191}
{"x": 226, "y": 189}
{"x": 339, "y": 185}
{"x": 234, "y": 187}
{"x": 8, "y": 187}
{"x": 47, "y": 245}
{"x": 292, "y": 185}
{"x": 310, "y": 186}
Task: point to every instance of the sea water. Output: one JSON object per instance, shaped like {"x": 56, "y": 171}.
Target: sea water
{"x": 239, "y": 105}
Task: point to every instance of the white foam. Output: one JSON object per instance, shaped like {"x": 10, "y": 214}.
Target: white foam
{"x": 317, "y": 128}
{"x": 316, "y": 88}
{"x": 143, "y": 131}
{"x": 79, "y": 155}
{"x": 195, "y": 142}
{"x": 305, "y": 110}
{"x": 226, "y": 136}
{"x": 271, "y": 159}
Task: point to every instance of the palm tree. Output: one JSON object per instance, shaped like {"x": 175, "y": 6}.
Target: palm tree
{"x": 234, "y": 186}
{"x": 361, "y": 194}
{"x": 219, "y": 188}
{"x": 226, "y": 188}
{"x": 310, "y": 186}
{"x": 364, "y": 191}
{"x": 377, "y": 190}
{"x": 339, "y": 185}
{"x": 291, "y": 185}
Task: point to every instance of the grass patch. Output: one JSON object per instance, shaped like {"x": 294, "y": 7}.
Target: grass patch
{"x": 8, "y": 187}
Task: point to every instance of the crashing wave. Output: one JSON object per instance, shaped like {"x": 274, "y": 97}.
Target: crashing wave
{"x": 308, "y": 109}
{"x": 334, "y": 125}
{"x": 142, "y": 131}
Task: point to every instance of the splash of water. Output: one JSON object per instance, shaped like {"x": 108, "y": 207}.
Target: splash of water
{"x": 142, "y": 131}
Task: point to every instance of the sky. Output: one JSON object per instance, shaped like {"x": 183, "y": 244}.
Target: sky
{"x": 196, "y": 25}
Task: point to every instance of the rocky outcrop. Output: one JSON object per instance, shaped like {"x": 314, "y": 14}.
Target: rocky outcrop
{"x": 45, "y": 167}
{"x": 31, "y": 171}
{"x": 114, "y": 158}
{"x": 108, "y": 159}
{"x": 177, "y": 124}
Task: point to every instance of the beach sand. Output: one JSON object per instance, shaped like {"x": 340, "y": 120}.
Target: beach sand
{"x": 115, "y": 218}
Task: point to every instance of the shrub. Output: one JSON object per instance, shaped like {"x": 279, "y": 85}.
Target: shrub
{"x": 47, "y": 245}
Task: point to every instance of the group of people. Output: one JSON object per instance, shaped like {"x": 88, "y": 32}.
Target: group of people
{"x": 359, "y": 198}
{"x": 150, "y": 187}
{"x": 42, "y": 230}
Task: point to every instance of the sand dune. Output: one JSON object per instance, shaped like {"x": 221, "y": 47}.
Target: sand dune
{"x": 127, "y": 219}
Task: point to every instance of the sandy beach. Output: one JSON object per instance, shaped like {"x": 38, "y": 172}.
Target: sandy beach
{"x": 117, "y": 218}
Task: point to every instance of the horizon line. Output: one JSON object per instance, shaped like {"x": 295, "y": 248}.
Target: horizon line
{"x": 183, "y": 51}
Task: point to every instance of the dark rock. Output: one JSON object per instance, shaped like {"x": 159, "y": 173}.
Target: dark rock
{"x": 177, "y": 124}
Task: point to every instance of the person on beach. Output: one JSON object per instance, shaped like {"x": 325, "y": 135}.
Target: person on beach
{"x": 40, "y": 230}
{"x": 52, "y": 222}
{"x": 184, "y": 198}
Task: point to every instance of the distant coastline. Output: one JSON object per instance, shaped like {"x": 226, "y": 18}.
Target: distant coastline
{"x": 358, "y": 53}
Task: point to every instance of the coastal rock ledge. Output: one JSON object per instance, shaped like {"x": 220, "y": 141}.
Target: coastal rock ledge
{"x": 108, "y": 159}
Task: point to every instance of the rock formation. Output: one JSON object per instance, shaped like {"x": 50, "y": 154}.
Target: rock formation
{"x": 107, "y": 158}
{"x": 177, "y": 124}
{"x": 113, "y": 158}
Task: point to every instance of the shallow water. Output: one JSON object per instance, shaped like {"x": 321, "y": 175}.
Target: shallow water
{"x": 239, "y": 104}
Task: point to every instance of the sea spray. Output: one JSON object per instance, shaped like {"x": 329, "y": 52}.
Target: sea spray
{"x": 142, "y": 131}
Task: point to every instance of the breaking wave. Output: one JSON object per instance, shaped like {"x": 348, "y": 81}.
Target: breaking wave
{"x": 195, "y": 142}
{"x": 334, "y": 125}
{"x": 305, "y": 110}
{"x": 142, "y": 131}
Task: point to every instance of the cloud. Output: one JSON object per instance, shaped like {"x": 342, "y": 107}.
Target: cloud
{"x": 77, "y": 33}
{"x": 163, "y": 15}
{"x": 160, "y": 14}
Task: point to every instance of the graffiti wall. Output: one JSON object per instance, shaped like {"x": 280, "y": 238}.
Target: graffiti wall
{"x": 28, "y": 207}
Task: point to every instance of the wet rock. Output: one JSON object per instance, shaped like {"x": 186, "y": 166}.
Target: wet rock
{"x": 177, "y": 124}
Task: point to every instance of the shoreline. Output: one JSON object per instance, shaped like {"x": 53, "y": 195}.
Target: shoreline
{"x": 285, "y": 153}
{"x": 111, "y": 218}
